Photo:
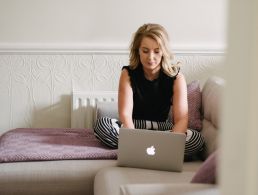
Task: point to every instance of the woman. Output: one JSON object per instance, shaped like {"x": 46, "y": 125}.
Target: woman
{"x": 148, "y": 87}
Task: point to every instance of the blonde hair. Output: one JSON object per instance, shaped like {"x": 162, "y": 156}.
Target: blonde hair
{"x": 159, "y": 34}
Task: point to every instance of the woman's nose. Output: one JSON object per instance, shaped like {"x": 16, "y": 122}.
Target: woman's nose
{"x": 151, "y": 55}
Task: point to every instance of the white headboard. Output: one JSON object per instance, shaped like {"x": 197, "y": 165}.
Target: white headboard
{"x": 84, "y": 106}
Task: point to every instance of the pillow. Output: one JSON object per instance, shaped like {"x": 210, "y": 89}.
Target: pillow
{"x": 207, "y": 171}
{"x": 107, "y": 109}
{"x": 194, "y": 97}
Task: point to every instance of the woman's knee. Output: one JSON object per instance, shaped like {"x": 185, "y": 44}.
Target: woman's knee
{"x": 106, "y": 130}
{"x": 194, "y": 142}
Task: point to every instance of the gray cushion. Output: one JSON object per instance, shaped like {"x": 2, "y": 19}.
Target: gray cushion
{"x": 211, "y": 103}
{"x": 169, "y": 189}
{"x": 211, "y": 100}
{"x": 210, "y": 135}
{"x": 107, "y": 109}
{"x": 108, "y": 180}
{"x": 64, "y": 177}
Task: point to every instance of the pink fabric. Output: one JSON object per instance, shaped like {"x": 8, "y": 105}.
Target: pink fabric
{"x": 27, "y": 144}
{"x": 207, "y": 173}
{"x": 194, "y": 97}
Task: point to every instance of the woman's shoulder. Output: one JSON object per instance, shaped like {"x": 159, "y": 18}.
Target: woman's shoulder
{"x": 180, "y": 79}
{"x": 125, "y": 71}
{"x": 131, "y": 71}
{"x": 126, "y": 67}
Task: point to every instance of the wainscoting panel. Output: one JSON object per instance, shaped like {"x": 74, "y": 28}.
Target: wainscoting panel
{"x": 36, "y": 87}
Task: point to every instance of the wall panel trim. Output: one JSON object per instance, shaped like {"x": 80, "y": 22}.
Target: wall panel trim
{"x": 71, "y": 48}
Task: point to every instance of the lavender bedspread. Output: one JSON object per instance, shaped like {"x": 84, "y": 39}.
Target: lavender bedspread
{"x": 27, "y": 144}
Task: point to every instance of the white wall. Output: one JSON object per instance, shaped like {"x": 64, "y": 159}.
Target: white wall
{"x": 50, "y": 47}
{"x": 109, "y": 23}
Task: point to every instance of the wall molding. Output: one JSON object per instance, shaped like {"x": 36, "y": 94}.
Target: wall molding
{"x": 101, "y": 49}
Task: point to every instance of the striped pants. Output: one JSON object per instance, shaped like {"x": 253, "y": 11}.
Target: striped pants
{"x": 107, "y": 131}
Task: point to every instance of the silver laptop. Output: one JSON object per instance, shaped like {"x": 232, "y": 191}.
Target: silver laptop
{"x": 149, "y": 149}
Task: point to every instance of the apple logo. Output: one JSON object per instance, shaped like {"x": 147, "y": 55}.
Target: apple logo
{"x": 151, "y": 151}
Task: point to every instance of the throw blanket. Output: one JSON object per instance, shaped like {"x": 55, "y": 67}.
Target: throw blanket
{"x": 27, "y": 144}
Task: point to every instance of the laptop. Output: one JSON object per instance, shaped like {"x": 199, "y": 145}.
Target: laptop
{"x": 151, "y": 149}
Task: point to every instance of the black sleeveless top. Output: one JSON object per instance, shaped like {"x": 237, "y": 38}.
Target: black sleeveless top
{"x": 151, "y": 99}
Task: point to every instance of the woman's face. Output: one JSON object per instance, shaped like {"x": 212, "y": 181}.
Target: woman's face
{"x": 150, "y": 54}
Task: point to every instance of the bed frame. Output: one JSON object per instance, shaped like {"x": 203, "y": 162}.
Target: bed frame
{"x": 83, "y": 112}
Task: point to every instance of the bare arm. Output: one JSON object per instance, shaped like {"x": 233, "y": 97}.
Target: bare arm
{"x": 125, "y": 100}
{"x": 180, "y": 104}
